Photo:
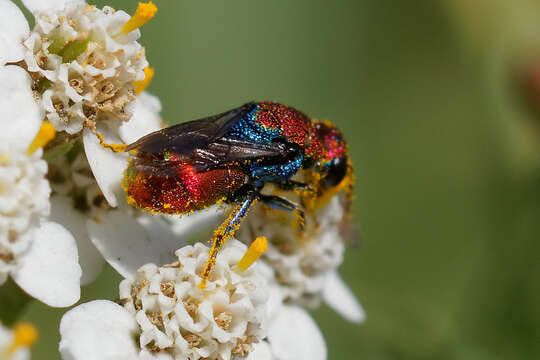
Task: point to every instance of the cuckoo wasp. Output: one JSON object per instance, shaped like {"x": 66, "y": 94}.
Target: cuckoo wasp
{"x": 230, "y": 158}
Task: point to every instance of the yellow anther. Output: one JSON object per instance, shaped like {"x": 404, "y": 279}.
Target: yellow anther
{"x": 140, "y": 86}
{"x": 45, "y": 134}
{"x": 145, "y": 11}
{"x": 257, "y": 248}
{"x": 24, "y": 335}
{"x": 113, "y": 147}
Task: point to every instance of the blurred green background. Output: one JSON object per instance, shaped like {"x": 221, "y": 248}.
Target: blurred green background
{"x": 448, "y": 202}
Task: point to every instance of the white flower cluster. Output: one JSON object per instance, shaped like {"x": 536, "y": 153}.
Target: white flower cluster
{"x": 77, "y": 66}
{"x": 178, "y": 320}
{"x": 301, "y": 262}
{"x": 82, "y": 69}
{"x": 24, "y": 201}
{"x": 83, "y": 65}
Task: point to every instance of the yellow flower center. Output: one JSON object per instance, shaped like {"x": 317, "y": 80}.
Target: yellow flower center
{"x": 257, "y": 248}
{"x": 140, "y": 86}
{"x": 45, "y": 134}
{"x": 145, "y": 12}
{"x": 24, "y": 335}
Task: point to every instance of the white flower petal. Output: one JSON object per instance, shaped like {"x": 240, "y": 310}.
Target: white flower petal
{"x": 261, "y": 351}
{"x": 42, "y": 5}
{"x": 13, "y": 30}
{"x": 145, "y": 119}
{"x": 163, "y": 235}
{"x": 125, "y": 244}
{"x": 294, "y": 335}
{"x": 107, "y": 166}
{"x": 185, "y": 225}
{"x": 90, "y": 259}
{"x": 50, "y": 271}
{"x": 339, "y": 297}
{"x": 20, "y": 115}
{"x": 98, "y": 330}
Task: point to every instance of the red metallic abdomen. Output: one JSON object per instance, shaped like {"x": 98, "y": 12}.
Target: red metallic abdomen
{"x": 185, "y": 192}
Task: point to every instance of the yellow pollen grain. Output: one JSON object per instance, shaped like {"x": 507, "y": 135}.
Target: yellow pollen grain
{"x": 45, "y": 134}
{"x": 145, "y": 12}
{"x": 24, "y": 335}
{"x": 257, "y": 248}
{"x": 140, "y": 86}
{"x": 4, "y": 159}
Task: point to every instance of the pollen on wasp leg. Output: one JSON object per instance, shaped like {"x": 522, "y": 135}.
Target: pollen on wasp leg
{"x": 140, "y": 86}
{"x": 226, "y": 230}
{"x": 143, "y": 14}
{"x": 45, "y": 134}
{"x": 257, "y": 248}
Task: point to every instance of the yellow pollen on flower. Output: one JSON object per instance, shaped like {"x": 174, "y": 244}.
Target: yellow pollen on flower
{"x": 145, "y": 12}
{"x": 257, "y": 248}
{"x": 45, "y": 134}
{"x": 113, "y": 147}
{"x": 140, "y": 86}
{"x": 24, "y": 335}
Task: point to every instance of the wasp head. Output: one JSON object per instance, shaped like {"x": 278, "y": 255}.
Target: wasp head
{"x": 329, "y": 163}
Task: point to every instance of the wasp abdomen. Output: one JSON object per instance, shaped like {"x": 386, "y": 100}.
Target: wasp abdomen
{"x": 183, "y": 191}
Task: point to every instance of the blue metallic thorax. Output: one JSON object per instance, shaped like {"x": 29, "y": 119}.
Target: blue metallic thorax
{"x": 248, "y": 129}
{"x": 275, "y": 173}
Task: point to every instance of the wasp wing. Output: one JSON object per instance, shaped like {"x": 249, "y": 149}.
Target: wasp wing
{"x": 202, "y": 145}
{"x": 183, "y": 139}
{"x": 233, "y": 152}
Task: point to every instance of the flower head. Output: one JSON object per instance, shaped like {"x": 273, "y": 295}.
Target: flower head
{"x": 78, "y": 67}
{"x": 84, "y": 65}
{"x": 305, "y": 264}
{"x": 171, "y": 317}
{"x": 178, "y": 318}
{"x": 301, "y": 260}
{"x": 40, "y": 255}
{"x": 24, "y": 200}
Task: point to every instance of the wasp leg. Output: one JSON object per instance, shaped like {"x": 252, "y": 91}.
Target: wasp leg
{"x": 280, "y": 203}
{"x": 225, "y": 231}
{"x": 292, "y": 185}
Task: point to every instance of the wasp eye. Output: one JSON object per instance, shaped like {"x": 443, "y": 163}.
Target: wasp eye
{"x": 336, "y": 171}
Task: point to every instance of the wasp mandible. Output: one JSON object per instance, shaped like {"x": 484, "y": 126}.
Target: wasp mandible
{"x": 230, "y": 157}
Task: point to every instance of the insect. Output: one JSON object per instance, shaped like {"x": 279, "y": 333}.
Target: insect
{"x": 230, "y": 158}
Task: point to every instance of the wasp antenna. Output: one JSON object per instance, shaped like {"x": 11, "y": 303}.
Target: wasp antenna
{"x": 113, "y": 147}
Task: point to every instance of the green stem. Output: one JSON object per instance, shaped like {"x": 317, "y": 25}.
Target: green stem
{"x": 13, "y": 302}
